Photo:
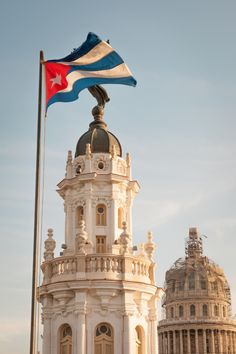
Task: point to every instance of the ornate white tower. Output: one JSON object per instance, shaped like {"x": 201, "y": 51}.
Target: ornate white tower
{"x": 99, "y": 296}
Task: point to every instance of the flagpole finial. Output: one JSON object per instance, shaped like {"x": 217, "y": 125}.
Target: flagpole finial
{"x": 100, "y": 94}
{"x": 97, "y": 113}
{"x": 102, "y": 98}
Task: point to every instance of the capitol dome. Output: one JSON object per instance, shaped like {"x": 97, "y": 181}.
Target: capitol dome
{"x": 196, "y": 305}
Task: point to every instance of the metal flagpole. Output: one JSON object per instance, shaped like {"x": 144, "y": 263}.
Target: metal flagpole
{"x": 36, "y": 214}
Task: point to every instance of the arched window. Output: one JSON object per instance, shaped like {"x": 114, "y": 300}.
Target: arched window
{"x": 120, "y": 217}
{"x": 104, "y": 339}
{"x": 191, "y": 281}
{"x": 216, "y": 310}
{"x": 204, "y": 310}
{"x": 139, "y": 342}
{"x": 79, "y": 215}
{"x": 65, "y": 339}
{"x": 192, "y": 310}
{"x": 173, "y": 286}
{"x": 172, "y": 312}
{"x": 181, "y": 311}
{"x": 101, "y": 215}
{"x": 203, "y": 284}
{"x": 214, "y": 285}
{"x": 181, "y": 285}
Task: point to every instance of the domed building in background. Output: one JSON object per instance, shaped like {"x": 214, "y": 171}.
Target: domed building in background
{"x": 197, "y": 306}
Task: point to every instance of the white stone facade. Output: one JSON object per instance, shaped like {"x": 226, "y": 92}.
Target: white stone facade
{"x": 99, "y": 296}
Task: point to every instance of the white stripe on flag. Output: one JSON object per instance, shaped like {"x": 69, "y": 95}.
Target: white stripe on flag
{"x": 98, "y": 52}
{"x": 119, "y": 71}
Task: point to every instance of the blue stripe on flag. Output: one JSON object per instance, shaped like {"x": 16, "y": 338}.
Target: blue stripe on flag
{"x": 81, "y": 84}
{"x": 91, "y": 41}
{"x": 110, "y": 61}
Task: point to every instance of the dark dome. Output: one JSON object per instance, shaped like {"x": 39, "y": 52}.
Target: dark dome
{"x": 99, "y": 138}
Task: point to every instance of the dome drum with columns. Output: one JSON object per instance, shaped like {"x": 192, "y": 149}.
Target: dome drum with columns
{"x": 99, "y": 296}
{"x": 197, "y": 314}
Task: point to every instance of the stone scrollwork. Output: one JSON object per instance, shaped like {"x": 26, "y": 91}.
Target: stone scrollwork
{"x": 98, "y": 200}
{"x": 81, "y": 239}
{"x": 79, "y": 166}
{"x": 80, "y": 202}
{"x": 101, "y": 163}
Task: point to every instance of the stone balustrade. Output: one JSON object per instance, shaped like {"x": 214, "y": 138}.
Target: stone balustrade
{"x": 194, "y": 293}
{"x": 199, "y": 320}
{"x": 98, "y": 266}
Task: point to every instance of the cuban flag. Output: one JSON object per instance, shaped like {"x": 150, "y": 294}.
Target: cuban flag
{"x": 93, "y": 63}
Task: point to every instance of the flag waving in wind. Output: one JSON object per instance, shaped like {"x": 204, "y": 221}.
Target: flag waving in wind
{"x": 93, "y": 63}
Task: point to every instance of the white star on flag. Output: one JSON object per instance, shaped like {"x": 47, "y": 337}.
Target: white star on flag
{"x": 56, "y": 80}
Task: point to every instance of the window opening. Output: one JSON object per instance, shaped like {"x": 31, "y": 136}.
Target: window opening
{"x": 66, "y": 340}
{"x": 101, "y": 215}
{"x": 192, "y": 310}
{"x": 104, "y": 341}
{"x": 101, "y": 244}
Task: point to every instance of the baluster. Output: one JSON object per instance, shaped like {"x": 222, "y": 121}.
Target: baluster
{"x": 133, "y": 267}
{"x": 108, "y": 264}
{"x": 98, "y": 265}
{"x": 73, "y": 266}
{"x": 145, "y": 269}
{"x": 70, "y": 266}
{"x": 104, "y": 262}
{"x": 66, "y": 266}
{"x": 119, "y": 265}
{"x": 93, "y": 265}
{"x": 137, "y": 268}
{"x": 59, "y": 268}
{"x": 53, "y": 269}
{"x": 114, "y": 264}
{"x": 88, "y": 265}
{"x": 62, "y": 267}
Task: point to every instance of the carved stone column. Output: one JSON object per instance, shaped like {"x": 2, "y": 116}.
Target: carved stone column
{"x": 220, "y": 342}
{"x": 162, "y": 344}
{"x": 81, "y": 334}
{"x": 233, "y": 336}
{"x": 174, "y": 342}
{"x": 113, "y": 222}
{"x": 234, "y": 341}
{"x": 204, "y": 341}
{"x": 196, "y": 342}
{"x": 181, "y": 341}
{"x": 88, "y": 217}
{"x": 127, "y": 342}
{"x": 230, "y": 342}
{"x": 159, "y": 343}
{"x": 168, "y": 342}
{"x": 212, "y": 342}
{"x": 226, "y": 343}
{"x": 47, "y": 326}
{"x": 153, "y": 335}
{"x": 68, "y": 225}
{"x": 188, "y": 341}
{"x": 47, "y": 334}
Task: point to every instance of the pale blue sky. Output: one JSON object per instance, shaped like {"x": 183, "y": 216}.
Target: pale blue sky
{"x": 178, "y": 124}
